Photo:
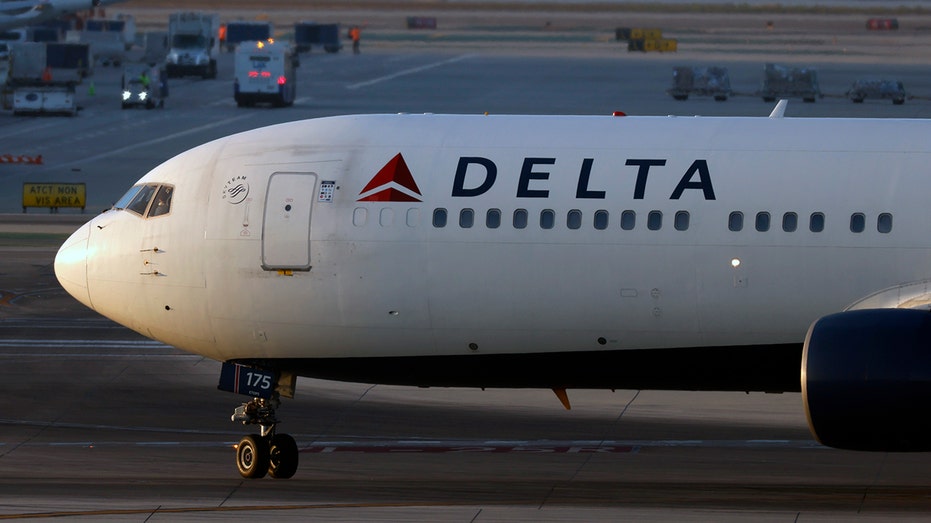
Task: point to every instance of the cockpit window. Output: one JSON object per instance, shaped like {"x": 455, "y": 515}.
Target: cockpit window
{"x": 162, "y": 203}
{"x": 140, "y": 202}
{"x": 124, "y": 201}
{"x": 138, "y": 198}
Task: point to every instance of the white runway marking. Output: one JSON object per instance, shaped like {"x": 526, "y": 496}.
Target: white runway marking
{"x": 153, "y": 141}
{"x": 406, "y": 72}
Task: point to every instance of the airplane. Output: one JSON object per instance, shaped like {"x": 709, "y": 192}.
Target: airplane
{"x": 20, "y": 13}
{"x": 562, "y": 252}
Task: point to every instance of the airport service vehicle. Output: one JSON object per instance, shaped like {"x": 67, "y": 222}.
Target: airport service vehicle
{"x": 733, "y": 254}
{"x": 143, "y": 85}
{"x": 193, "y": 46}
{"x": 43, "y": 76}
{"x": 264, "y": 73}
{"x": 238, "y": 32}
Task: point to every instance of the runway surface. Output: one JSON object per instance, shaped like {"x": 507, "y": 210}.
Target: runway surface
{"x": 100, "y": 424}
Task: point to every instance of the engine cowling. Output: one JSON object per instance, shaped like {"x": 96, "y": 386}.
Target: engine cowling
{"x": 866, "y": 380}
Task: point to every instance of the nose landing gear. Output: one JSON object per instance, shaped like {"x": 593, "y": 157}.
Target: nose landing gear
{"x": 268, "y": 452}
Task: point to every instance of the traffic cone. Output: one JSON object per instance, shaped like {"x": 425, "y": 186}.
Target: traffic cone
{"x": 91, "y": 91}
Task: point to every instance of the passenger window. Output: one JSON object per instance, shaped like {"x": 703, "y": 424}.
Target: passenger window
{"x": 682, "y": 220}
{"x": 493, "y": 218}
{"x": 789, "y": 222}
{"x": 884, "y": 223}
{"x": 735, "y": 222}
{"x": 140, "y": 202}
{"x": 857, "y": 222}
{"x": 413, "y": 217}
{"x": 520, "y": 218}
{"x": 601, "y": 220}
{"x": 466, "y": 218}
{"x": 574, "y": 219}
{"x": 386, "y": 217}
{"x": 162, "y": 203}
{"x": 816, "y": 222}
{"x": 655, "y": 220}
{"x": 628, "y": 220}
{"x": 439, "y": 218}
{"x": 762, "y": 221}
{"x": 547, "y": 219}
{"x": 359, "y": 216}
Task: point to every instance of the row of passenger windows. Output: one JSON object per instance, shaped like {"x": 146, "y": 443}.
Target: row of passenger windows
{"x": 762, "y": 221}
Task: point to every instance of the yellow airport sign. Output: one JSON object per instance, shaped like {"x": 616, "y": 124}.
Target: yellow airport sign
{"x": 54, "y": 195}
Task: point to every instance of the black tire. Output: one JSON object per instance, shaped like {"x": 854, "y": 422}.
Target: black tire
{"x": 769, "y": 99}
{"x": 252, "y": 457}
{"x": 283, "y": 456}
{"x": 898, "y": 101}
{"x": 720, "y": 98}
{"x": 857, "y": 100}
{"x": 808, "y": 100}
{"x": 680, "y": 97}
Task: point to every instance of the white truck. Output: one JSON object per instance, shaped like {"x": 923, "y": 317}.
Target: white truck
{"x": 43, "y": 76}
{"x": 264, "y": 73}
{"x": 193, "y": 44}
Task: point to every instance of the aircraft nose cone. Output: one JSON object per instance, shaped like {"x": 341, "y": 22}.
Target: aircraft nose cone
{"x": 71, "y": 265}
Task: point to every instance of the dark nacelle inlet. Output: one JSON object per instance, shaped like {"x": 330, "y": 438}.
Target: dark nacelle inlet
{"x": 866, "y": 380}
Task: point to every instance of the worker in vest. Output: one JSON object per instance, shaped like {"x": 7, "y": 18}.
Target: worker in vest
{"x": 355, "y": 34}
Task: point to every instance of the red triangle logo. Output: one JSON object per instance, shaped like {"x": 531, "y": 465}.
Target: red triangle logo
{"x": 394, "y": 173}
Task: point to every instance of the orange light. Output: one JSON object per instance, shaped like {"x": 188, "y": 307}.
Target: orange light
{"x": 260, "y": 44}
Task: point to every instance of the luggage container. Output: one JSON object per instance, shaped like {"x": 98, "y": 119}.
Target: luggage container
{"x": 700, "y": 81}
{"x": 309, "y": 34}
{"x": 789, "y": 82}
{"x": 877, "y": 89}
{"x": 238, "y": 32}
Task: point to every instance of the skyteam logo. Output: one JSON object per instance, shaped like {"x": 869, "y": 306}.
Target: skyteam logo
{"x": 236, "y": 190}
{"x": 393, "y": 183}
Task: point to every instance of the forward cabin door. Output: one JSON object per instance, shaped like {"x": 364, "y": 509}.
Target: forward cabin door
{"x": 286, "y": 227}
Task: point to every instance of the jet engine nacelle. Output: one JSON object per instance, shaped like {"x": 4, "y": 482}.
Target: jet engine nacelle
{"x": 866, "y": 380}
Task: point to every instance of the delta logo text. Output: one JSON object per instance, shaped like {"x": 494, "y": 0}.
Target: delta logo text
{"x": 476, "y": 175}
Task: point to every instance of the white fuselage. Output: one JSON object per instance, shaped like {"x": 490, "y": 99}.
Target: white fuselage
{"x": 278, "y": 246}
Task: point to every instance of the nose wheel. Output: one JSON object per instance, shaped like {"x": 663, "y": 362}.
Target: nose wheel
{"x": 266, "y": 453}
{"x": 276, "y": 456}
